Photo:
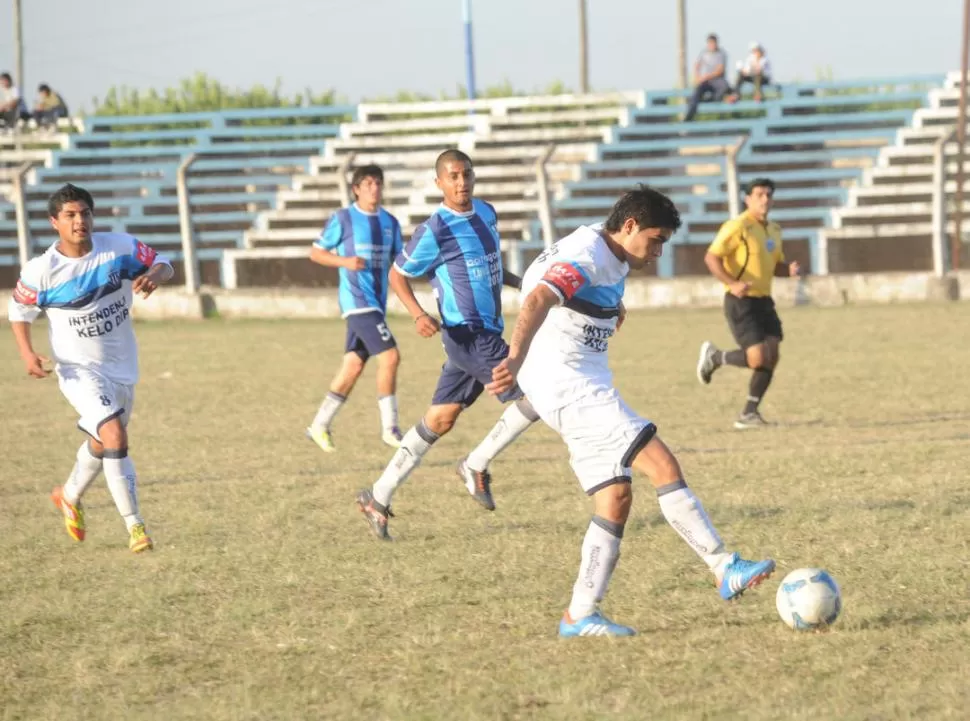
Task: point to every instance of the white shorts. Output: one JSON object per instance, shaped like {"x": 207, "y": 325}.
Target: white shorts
{"x": 96, "y": 399}
{"x": 603, "y": 435}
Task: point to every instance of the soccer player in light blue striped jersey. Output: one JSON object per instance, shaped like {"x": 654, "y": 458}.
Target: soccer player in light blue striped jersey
{"x": 362, "y": 241}
{"x": 457, "y": 250}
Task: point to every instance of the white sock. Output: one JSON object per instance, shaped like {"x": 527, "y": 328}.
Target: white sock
{"x": 517, "y": 418}
{"x": 414, "y": 445}
{"x": 388, "y": 408}
{"x": 601, "y": 551}
{"x": 328, "y": 409}
{"x": 119, "y": 472}
{"x": 684, "y": 512}
{"x": 86, "y": 469}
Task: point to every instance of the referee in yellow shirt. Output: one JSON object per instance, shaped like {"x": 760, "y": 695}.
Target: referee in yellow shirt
{"x": 745, "y": 256}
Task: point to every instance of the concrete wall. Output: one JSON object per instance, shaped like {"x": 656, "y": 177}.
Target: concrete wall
{"x": 830, "y": 290}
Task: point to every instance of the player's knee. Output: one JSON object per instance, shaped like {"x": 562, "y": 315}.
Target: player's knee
{"x": 353, "y": 365}
{"x": 442, "y": 419}
{"x": 614, "y": 501}
{"x": 757, "y": 355}
{"x": 113, "y": 435}
{"x": 389, "y": 359}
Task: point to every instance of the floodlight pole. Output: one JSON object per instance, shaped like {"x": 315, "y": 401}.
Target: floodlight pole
{"x": 18, "y": 45}
{"x": 682, "y": 44}
{"x": 956, "y": 242}
{"x": 583, "y": 49}
{"x": 466, "y": 7}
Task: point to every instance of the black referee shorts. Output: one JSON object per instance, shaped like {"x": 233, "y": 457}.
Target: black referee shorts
{"x": 751, "y": 320}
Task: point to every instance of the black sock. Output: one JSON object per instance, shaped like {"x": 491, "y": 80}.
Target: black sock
{"x": 732, "y": 358}
{"x": 760, "y": 380}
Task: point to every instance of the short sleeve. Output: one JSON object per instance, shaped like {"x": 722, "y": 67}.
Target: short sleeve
{"x": 142, "y": 257}
{"x": 421, "y": 255}
{"x": 332, "y": 234}
{"x": 565, "y": 278}
{"x": 726, "y": 241}
{"x": 24, "y": 305}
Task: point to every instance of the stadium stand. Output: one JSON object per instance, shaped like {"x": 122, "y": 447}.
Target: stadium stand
{"x": 266, "y": 180}
{"x": 504, "y": 136}
{"x": 889, "y": 214}
{"x": 813, "y": 139}
{"x": 129, "y": 164}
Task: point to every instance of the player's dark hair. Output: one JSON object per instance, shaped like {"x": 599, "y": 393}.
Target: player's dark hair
{"x": 43, "y": 88}
{"x": 648, "y": 207}
{"x": 712, "y": 36}
{"x": 68, "y": 194}
{"x": 760, "y": 183}
{"x": 6, "y": 76}
{"x": 366, "y": 171}
{"x": 452, "y": 155}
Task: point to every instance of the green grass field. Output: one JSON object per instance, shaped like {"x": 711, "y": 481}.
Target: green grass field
{"x": 267, "y": 599}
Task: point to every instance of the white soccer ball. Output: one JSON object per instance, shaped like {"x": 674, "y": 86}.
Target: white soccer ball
{"x": 808, "y": 599}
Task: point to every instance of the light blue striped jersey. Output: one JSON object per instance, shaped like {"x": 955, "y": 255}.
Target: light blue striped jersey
{"x": 460, "y": 255}
{"x": 375, "y": 237}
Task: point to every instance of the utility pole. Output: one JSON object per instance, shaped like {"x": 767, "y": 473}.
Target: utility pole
{"x": 682, "y": 43}
{"x": 583, "y": 49}
{"x": 956, "y": 243}
{"x": 18, "y": 45}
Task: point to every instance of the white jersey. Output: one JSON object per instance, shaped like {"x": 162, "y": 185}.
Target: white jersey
{"x": 567, "y": 359}
{"x": 88, "y": 304}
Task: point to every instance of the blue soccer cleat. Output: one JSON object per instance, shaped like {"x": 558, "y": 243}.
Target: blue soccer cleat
{"x": 740, "y": 575}
{"x": 592, "y": 625}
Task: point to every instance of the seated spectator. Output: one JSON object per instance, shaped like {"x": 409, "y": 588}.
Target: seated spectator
{"x": 709, "y": 76}
{"x": 12, "y": 106}
{"x": 50, "y": 107}
{"x": 756, "y": 69}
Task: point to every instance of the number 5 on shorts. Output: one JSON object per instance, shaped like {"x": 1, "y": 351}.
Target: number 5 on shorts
{"x": 384, "y": 331}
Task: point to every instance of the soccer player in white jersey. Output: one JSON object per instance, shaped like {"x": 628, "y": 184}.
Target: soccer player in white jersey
{"x": 85, "y": 283}
{"x": 572, "y": 305}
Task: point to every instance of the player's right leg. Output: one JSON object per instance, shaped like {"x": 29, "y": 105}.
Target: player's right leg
{"x": 67, "y": 498}
{"x": 351, "y": 367}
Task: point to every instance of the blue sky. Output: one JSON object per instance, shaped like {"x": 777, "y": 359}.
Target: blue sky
{"x": 376, "y": 47}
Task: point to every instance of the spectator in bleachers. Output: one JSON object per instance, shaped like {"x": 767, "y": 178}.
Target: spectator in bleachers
{"x": 12, "y": 106}
{"x": 710, "y": 76}
{"x": 50, "y": 107}
{"x": 756, "y": 69}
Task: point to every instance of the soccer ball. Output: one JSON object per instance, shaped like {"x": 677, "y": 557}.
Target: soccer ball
{"x": 808, "y": 599}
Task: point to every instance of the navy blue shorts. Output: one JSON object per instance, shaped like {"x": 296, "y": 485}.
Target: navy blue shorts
{"x": 368, "y": 334}
{"x": 471, "y": 357}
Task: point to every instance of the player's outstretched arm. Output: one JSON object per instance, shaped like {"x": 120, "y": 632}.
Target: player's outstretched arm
{"x": 322, "y": 256}
{"x": 511, "y": 279}
{"x": 34, "y": 363}
{"x": 532, "y": 315}
{"x": 148, "y": 283}
{"x": 423, "y": 322}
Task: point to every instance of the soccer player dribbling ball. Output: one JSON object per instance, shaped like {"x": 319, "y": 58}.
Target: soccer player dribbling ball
{"x": 745, "y": 256}
{"x": 572, "y": 303}
{"x": 86, "y": 282}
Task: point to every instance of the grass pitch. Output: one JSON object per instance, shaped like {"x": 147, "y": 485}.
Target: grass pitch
{"x": 267, "y": 599}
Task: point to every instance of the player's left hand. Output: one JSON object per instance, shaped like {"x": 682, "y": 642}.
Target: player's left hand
{"x": 503, "y": 376}
{"x": 622, "y": 316}
{"x": 144, "y": 284}
{"x": 794, "y": 268}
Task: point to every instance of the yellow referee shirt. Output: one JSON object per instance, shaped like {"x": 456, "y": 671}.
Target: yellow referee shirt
{"x": 750, "y": 251}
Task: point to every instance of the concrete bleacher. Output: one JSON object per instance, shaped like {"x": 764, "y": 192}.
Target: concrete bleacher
{"x": 129, "y": 164}
{"x": 813, "y": 139}
{"x": 504, "y": 137}
{"x": 29, "y": 148}
{"x": 889, "y": 215}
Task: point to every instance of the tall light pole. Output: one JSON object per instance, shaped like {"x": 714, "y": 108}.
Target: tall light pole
{"x": 956, "y": 242}
{"x": 583, "y": 49}
{"x": 18, "y": 44}
{"x": 682, "y": 43}
{"x": 469, "y": 49}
